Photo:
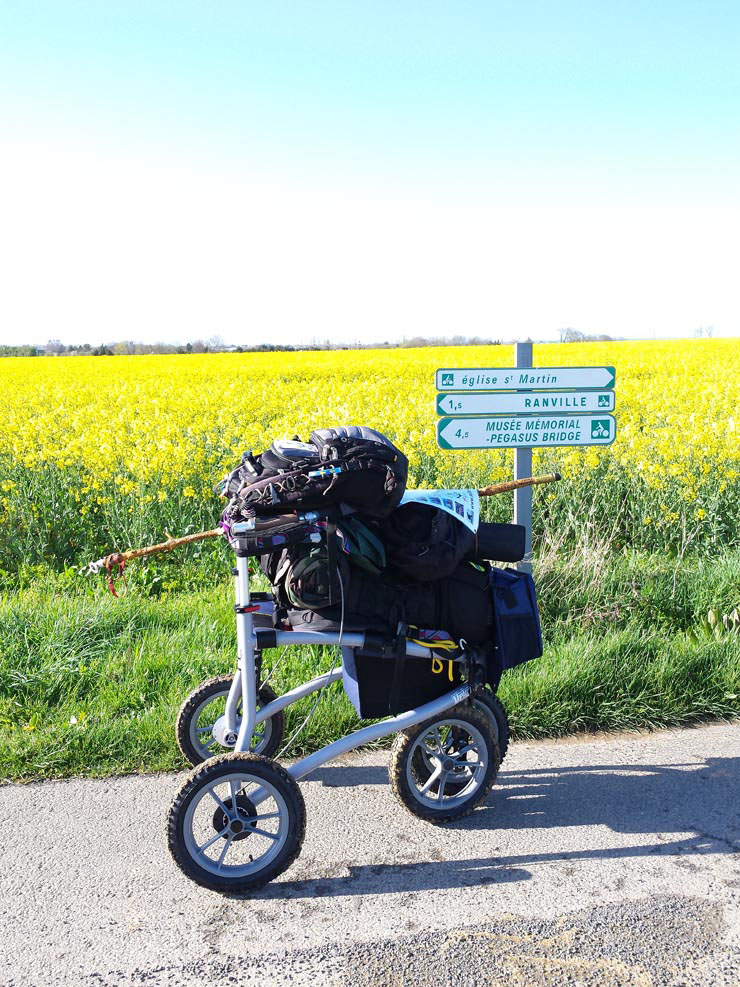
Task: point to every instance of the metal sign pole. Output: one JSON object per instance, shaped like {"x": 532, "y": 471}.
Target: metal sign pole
{"x": 522, "y": 468}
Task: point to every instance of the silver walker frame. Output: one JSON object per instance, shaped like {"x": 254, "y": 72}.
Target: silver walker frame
{"x": 244, "y": 686}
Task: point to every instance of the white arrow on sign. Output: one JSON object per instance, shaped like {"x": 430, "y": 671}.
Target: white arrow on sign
{"x": 524, "y": 378}
{"x": 515, "y": 432}
{"x": 525, "y": 402}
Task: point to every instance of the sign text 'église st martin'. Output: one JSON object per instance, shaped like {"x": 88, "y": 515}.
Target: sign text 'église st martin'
{"x": 521, "y": 378}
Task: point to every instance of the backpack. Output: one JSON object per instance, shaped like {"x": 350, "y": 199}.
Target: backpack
{"x": 307, "y": 574}
{"x": 461, "y": 604}
{"x": 425, "y": 542}
{"x": 353, "y": 465}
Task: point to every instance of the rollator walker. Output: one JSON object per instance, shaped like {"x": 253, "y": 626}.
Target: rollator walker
{"x": 239, "y": 818}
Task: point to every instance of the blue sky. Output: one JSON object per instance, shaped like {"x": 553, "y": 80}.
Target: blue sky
{"x": 372, "y": 171}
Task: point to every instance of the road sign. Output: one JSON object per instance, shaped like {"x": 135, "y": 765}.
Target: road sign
{"x": 525, "y": 402}
{"x": 510, "y": 432}
{"x": 519, "y": 378}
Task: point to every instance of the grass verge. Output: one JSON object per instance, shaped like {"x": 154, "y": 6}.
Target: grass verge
{"x": 90, "y": 685}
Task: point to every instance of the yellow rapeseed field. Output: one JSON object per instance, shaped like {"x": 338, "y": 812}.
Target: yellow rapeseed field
{"x": 138, "y": 431}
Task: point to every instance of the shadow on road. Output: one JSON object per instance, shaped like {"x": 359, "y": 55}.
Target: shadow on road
{"x": 702, "y": 799}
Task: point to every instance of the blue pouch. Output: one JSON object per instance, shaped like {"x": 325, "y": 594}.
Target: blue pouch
{"x": 516, "y": 618}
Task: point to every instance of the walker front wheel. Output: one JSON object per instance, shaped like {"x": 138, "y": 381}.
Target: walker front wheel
{"x": 442, "y": 769}
{"x": 237, "y": 822}
{"x": 203, "y": 707}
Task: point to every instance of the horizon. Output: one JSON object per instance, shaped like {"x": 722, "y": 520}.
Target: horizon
{"x": 329, "y": 345}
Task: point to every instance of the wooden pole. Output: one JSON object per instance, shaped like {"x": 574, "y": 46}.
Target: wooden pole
{"x": 166, "y": 546}
{"x": 527, "y": 481}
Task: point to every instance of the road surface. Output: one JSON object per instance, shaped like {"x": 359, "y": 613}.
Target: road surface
{"x": 606, "y": 861}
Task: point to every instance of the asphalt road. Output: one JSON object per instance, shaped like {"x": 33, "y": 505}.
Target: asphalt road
{"x": 609, "y": 861}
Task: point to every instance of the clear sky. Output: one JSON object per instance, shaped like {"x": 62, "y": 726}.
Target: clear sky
{"x": 281, "y": 171}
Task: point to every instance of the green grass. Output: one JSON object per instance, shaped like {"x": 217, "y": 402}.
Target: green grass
{"x": 91, "y": 685}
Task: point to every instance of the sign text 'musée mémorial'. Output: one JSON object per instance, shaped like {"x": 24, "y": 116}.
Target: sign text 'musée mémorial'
{"x": 512, "y": 432}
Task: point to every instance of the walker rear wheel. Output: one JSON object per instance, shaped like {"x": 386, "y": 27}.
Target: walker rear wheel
{"x": 442, "y": 769}
{"x": 203, "y": 707}
{"x": 489, "y": 703}
{"x": 237, "y": 822}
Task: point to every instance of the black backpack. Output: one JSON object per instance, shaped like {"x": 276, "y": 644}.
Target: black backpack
{"x": 349, "y": 465}
{"x": 318, "y": 571}
{"x": 425, "y": 542}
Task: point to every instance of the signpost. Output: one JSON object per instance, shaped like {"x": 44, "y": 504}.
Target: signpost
{"x": 524, "y": 407}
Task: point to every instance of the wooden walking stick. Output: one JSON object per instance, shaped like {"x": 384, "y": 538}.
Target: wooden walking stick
{"x": 527, "y": 481}
{"x": 118, "y": 560}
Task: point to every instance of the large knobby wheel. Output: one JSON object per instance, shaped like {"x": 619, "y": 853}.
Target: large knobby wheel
{"x": 203, "y": 707}
{"x": 492, "y": 708}
{"x": 237, "y": 822}
{"x": 442, "y": 769}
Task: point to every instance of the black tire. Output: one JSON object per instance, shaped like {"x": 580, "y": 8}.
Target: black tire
{"x": 410, "y": 773}
{"x": 489, "y": 703}
{"x": 266, "y": 738}
{"x": 189, "y": 820}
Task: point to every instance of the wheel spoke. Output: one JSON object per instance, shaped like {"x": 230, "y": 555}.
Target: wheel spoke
{"x": 219, "y": 803}
{"x": 227, "y": 844}
{"x": 209, "y": 843}
{"x": 207, "y": 729}
{"x": 263, "y": 832}
{"x": 440, "y": 748}
{"x": 430, "y": 780}
{"x": 265, "y": 815}
{"x": 442, "y": 782}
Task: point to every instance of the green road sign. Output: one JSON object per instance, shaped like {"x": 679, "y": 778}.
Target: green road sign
{"x": 521, "y": 431}
{"x": 524, "y": 378}
{"x": 525, "y": 402}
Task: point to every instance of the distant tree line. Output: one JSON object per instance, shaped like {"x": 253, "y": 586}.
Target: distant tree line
{"x": 576, "y": 336}
{"x": 216, "y": 345}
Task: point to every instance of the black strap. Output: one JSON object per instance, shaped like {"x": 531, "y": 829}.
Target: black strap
{"x": 331, "y": 558}
{"x": 399, "y": 653}
{"x": 265, "y": 637}
{"x": 375, "y": 643}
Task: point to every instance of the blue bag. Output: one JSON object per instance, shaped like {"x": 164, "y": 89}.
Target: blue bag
{"x": 516, "y": 618}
